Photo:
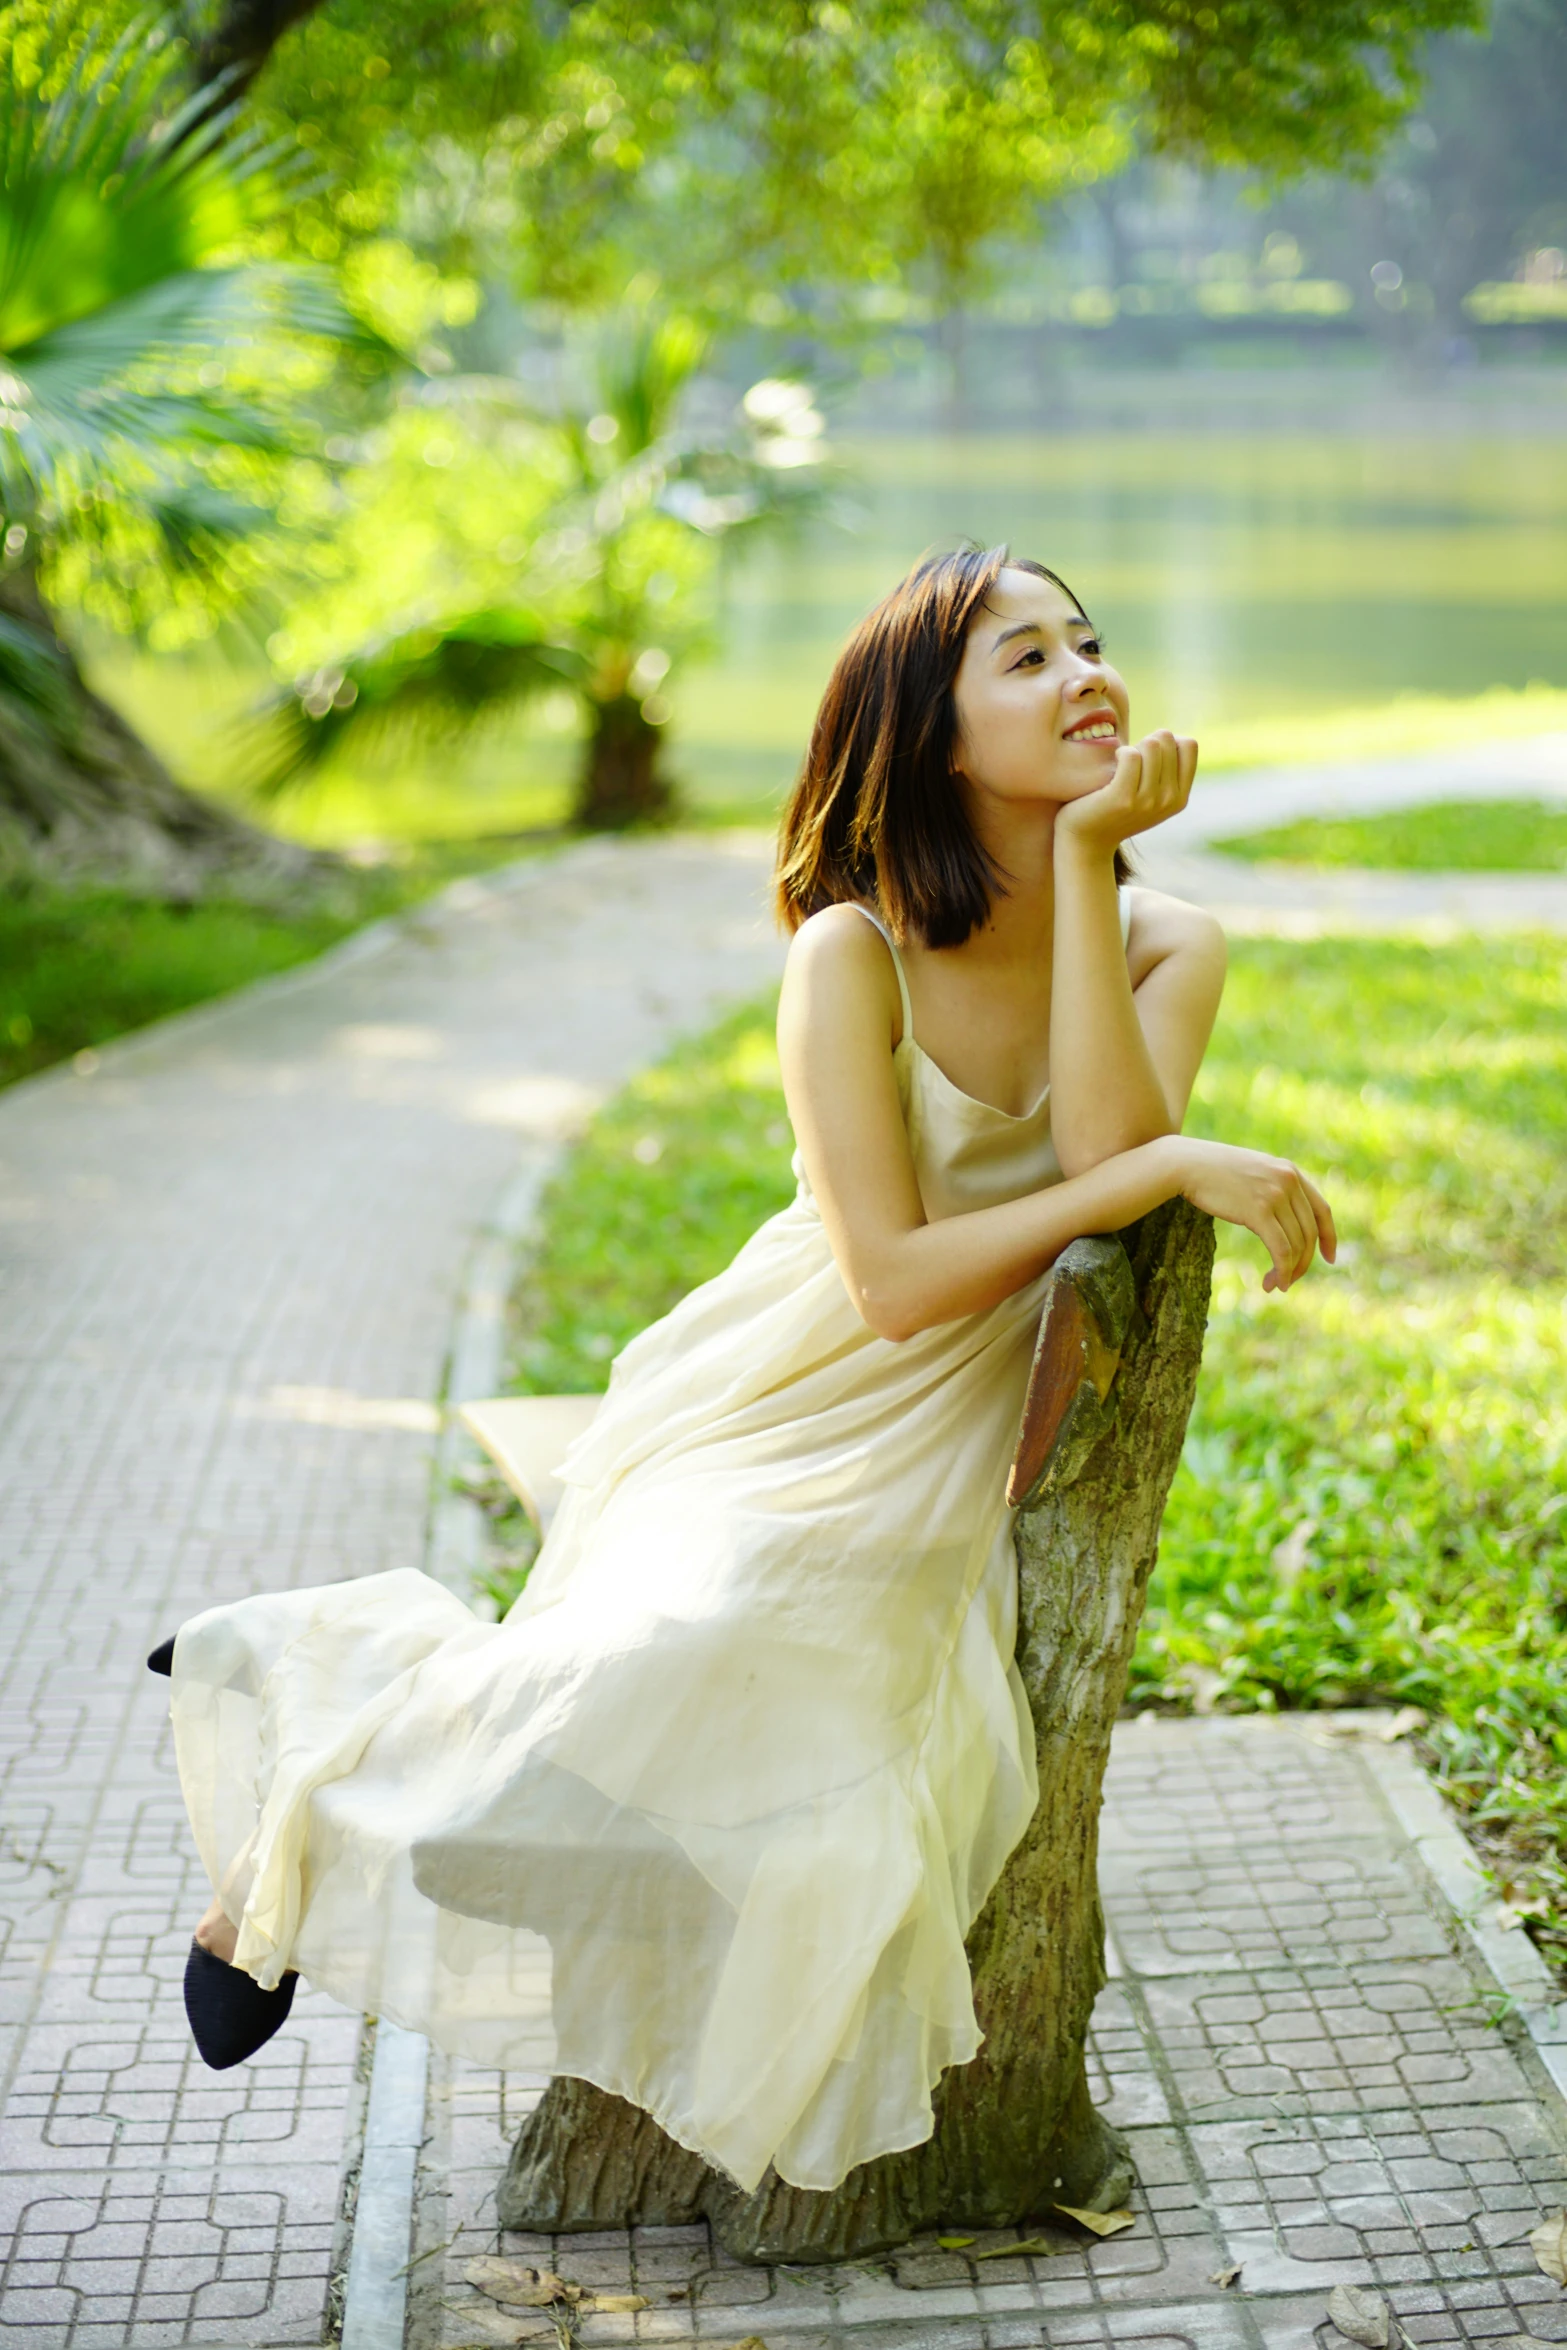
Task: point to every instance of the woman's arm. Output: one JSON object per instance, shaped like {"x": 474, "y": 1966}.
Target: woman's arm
{"x": 1128, "y": 1026}
{"x": 836, "y": 1023}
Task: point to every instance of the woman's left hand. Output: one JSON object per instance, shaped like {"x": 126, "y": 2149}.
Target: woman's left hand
{"x": 1152, "y": 781}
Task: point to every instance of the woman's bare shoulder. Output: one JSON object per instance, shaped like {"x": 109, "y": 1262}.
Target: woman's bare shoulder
{"x": 1162, "y": 926}
{"x": 838, "y": 955}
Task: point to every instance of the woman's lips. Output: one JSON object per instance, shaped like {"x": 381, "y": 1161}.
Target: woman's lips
{"x": 1093, "y": 730}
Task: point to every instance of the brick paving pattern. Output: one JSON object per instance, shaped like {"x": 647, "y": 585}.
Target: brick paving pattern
{"x": 228, "y": 1263}
{"x": 1299, "y": 2043}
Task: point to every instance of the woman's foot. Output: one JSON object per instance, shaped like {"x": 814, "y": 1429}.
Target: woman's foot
{"x": 217, "y": 1934}
{"x": 230, "y": 2015}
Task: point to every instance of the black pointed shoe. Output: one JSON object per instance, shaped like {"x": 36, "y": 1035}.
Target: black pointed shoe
{"x": 230, "y": 2015}
{"x": 162, "y": 1657}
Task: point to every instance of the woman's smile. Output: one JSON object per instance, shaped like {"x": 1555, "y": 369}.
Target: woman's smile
{"x": 1097, "y": 726}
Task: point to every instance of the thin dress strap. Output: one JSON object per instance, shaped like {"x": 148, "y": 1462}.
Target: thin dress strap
{"x": 897, "y": 964}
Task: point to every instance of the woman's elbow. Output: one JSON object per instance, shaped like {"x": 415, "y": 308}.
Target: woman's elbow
{"x": 888, "y": 1319}
{"x": 1080, "y": 1154}
{"x": 886, "y": 1309}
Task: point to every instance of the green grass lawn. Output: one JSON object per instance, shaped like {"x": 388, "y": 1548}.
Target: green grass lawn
{"x": 1448, "y": 836}
{"x": 78, "y": 968}
{"x": 1372, "y": 1507}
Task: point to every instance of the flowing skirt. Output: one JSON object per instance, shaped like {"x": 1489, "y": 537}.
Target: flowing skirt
{"x": 707, "y": 1818}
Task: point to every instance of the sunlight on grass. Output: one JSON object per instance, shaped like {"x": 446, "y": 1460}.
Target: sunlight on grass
{"x": 1447, "y": 836}
{"x": 1372, "y": 1503}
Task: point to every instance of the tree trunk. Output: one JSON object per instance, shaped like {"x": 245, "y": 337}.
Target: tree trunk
{"x": 622, "y": 782}
{"x": 83, "y": 798}
{"x": 1113, "y": 1379}
{"x": 241, "y": 40}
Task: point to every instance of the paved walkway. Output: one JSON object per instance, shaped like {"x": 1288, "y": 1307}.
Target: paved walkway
{"x": 230, "y": 1259}
{"x": 230, "y": 1253}
{"x": 1298, "y": 2039}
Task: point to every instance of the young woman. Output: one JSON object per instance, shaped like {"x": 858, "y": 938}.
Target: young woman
{"x": 707, "y": 1818}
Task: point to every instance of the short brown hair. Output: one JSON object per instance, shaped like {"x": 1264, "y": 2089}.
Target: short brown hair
{"x": 876, "y": 815}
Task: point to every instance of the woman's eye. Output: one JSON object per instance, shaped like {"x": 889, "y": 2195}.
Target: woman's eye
{"x": 1033, "y": 657}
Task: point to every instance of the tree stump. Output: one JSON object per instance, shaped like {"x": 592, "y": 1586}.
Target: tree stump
{"x": 1112, "y": 1384}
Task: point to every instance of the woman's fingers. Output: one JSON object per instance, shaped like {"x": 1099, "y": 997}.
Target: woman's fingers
{"x": 1169, "y": 763}
{"x": 1304, "y": 1225}
{"x": 1186, "y": 759}
{"x": 1275, "y": 1240}
{"x": 1288, "y": 1231}
{"x": 1322, "y": 1215}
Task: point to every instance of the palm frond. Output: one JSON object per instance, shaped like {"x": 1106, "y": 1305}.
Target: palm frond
{"x": 429, "y": 681}
{"x": 118, "y": 179}
{"x": 86, "y": 402}
{"x": 641, "y": 361}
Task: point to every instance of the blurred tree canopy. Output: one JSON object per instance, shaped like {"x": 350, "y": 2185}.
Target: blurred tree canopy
{"x": 1470, "y": 188}
{"x": 754, "y": 152}
{"x": 763, "y": 163}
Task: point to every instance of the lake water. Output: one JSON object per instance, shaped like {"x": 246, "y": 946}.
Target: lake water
{"x": 1236, "y": 577}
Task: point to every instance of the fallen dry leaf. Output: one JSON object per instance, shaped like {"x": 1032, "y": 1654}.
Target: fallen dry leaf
{"x": 1548, "y": 2243}
{"x": 954, "y": 2243}
{"x": 1203, "y": 1685}
{"x": 602, "y": 2304}
{"x": 520, "y": 2287}
{"x": 1407, "y": 1720}
{"x": 1360, "y": 2314}
{"x": 1103, "y": 2223}
{"x": 1290, "y": 1557}
{"x": 1224, "y": 2276}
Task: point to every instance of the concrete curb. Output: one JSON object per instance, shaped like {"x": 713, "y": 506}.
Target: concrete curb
{"x": 1508, "y": 1955}
{"x": 375, "y": 2305}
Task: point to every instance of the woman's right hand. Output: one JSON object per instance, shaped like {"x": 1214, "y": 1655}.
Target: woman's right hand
{"x": 1269, "y": 1196}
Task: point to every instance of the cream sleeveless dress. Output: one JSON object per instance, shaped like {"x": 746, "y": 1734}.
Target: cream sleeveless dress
{"x": 707, "y": 1818}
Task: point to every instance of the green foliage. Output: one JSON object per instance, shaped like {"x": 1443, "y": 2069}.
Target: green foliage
{"x": 426, "y": 681}
{"x": 1373, "y": 1500}
{"x": 153, "y": 374}
{"x": 751, "y": 153}
{"x": 1280, "y": 85}
{"x": 1449, "y": 836}
{"x": 572, "y": 546}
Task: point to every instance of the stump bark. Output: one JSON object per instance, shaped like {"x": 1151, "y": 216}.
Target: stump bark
{"x": 1113, "y": 1378}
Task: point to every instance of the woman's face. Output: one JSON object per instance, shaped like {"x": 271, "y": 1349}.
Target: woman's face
{"x": 1041, "y": 714}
